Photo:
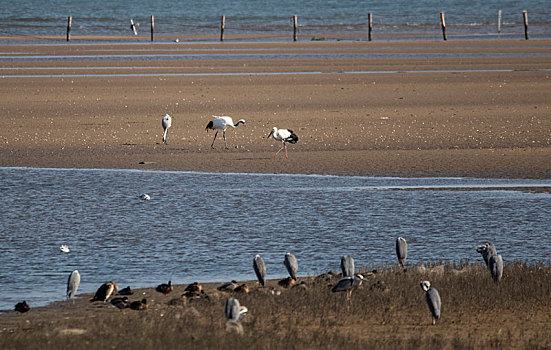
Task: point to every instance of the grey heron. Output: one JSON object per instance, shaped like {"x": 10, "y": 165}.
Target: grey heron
{"x": 347, "y": 266}
{"x": 401, "y": 250}
{"x": 347, "y": 284}
{"x": 487, "y": 250}
{"x": 285, "y": 136}
{"x": 72, "y": 284}
{"x": 495, "y": 265}
{"x": 433, "y": 300}
{"x": 259, "y": 269}
{"x": 234, "y": 315}
{"x": 165, "y": 288}
{"x": 105, "y": 291}
{"x": 222, "y": 123}
{"x": 167, "y": 123}
{"x": 291, "y": 265}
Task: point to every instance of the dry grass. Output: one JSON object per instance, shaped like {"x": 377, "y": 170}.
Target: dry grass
{"x": 388, "y": 311}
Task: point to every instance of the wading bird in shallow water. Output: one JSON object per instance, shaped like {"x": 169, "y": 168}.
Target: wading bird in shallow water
{"x": 167, "y": 123}
{"x": 72, "y": 284}
{"x": 285, "y": 136}
{"x": 433, "y": 300}
{"x": 401, "y": 250}
{"x": 222, "y": 123}
{"x": 259, "y": 269}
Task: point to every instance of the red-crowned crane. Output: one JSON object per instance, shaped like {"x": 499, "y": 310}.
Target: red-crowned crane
{"x": 167, "y": 123}
{"x": 222, "y": 123}
{"x": 285, "y": 136}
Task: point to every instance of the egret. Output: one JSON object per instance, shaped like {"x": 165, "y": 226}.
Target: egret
{"x": 285, "y": 136}
{"x": 496, "y": 267}
{"x": 105, "y": 291}
{"x": 259, "y": 269}
{"x": 167, "y": 123}
{"x": 72, "y": 284}
{"x": 433, "y": 300}
{"x": 291, "y": 264}
{"x": 165, "y": 288}
{"x": 401, "y": 250}
{"x": 347, "y": 266}
{"x": 222, "y": 123}
{"x": 346, "y": 284}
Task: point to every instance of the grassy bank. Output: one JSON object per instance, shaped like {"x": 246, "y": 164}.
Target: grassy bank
{"x": 387, "y": 311}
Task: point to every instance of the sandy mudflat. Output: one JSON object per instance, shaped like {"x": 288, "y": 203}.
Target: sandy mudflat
{"x": 486, "y": 113}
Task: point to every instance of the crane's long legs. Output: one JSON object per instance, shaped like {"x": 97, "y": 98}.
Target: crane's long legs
{"x": 212, "y": 145}
{"x": 281, "y": 149}
{"x": 224, "y": 134}
{"x": 284, "y": 144}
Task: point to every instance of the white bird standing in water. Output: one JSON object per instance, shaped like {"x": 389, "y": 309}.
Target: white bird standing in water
{"x": 285, "y": 136}
{"x": 222, "y": 123}
{"x": 167, "y": 123}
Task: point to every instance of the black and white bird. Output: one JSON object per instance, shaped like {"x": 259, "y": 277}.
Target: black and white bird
{"x": 222, "y": 123}
{"x": 347, "y": 284}
{"x": 105, "y": 291}
{"x": 285, "y": 136}
{"x": 291, "y": 265}
{"x": 259, "y": 269}
{"x": 433, "y": 300}
{"x": 167, "y": 123}
{"x": 401, "y": 250}
{"x": 72, "y": 284}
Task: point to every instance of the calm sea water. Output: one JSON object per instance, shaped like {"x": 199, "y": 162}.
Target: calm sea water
{"x": 463, "y": 17}
{"x": 208, "y": 227}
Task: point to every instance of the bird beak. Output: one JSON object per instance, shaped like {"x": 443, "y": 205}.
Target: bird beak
{"x": 270, "y": 134}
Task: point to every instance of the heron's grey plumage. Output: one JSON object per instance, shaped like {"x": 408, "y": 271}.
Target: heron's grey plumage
{"x": 259, "y": 269}
{"x": 347, "y": 266}
{"x": 401, "y": 250}
{"x": 496, "y": 267}
{"x": 232, "y": 309}
{"x": 433, "y": 300}
{"x": 72, "y": 284}
{"x": 291, "y": 264}
{"x": 487, "y": 250}
{"x": 347, "y": 283}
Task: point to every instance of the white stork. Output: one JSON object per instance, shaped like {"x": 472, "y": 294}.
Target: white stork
{"x": 222, "y": 123}
{"x": 167, "y": 123}
{"x": 285, "y": 136}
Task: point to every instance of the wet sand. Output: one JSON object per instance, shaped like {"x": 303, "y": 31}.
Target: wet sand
{"x": 480, "y": 116}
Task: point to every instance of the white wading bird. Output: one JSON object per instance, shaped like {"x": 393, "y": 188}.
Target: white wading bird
{"x": 167, "y": 123}
{"x": 222, "y": 123}
{"x": 285, "y": 136}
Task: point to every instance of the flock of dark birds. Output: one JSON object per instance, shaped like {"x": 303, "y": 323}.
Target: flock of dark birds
{"x": 235, "y": 312}
{"x": 222, "y": 123}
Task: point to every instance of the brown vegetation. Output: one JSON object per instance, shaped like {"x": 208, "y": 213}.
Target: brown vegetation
{"x": 387, "y": 311}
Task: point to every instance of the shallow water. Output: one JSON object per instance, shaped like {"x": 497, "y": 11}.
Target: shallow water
{"x": 208, "y": 227}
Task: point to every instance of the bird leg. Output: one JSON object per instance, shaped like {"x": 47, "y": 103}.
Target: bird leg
{"x": 224, "y": 135}
{"x": 433, "y": 321}
{"x": 281, "y": 149}
{"x": 212, "y": 145}
{"x": 284, "y": 144}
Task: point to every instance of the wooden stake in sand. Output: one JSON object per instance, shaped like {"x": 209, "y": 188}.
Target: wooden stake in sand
{"x": 443, "y": 21}
{"x": 370, "y": 21}
{"x": 222, "y": 27}
{"x": 133, "y": 26}
{"x": 525, "y": 17}
{"x": 499, "y": 24}
{"x": 152, "y": 27}
{"x": 295, "y": 28}
{"x": 69, "y": 23}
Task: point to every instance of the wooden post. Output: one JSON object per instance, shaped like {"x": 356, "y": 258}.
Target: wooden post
{"x": 443, "y": 21}
{"x": 499, "y": 24}
{"x": 295, "y": 28}
{"x": 370, "y": 20}
{"x": 69, "y": 23}
{"x": 152, "y": 27}
{"x": 222, "y": 27}
{"x": 525, "y": 17}
{"x": 133, "y": 26}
